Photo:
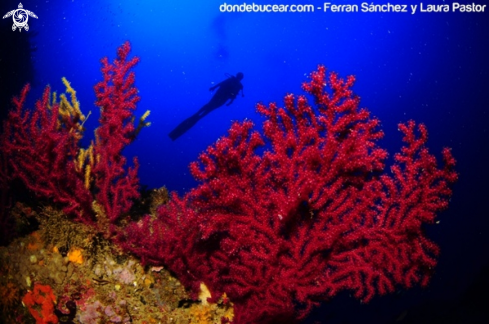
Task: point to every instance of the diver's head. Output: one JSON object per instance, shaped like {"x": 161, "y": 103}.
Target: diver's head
{"x": 239, "y": 76}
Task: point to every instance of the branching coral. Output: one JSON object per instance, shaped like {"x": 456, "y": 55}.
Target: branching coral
{"x": 312, "y": 215}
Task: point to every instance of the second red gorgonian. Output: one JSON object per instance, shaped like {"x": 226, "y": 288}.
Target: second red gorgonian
{"x": 310, "y": 216}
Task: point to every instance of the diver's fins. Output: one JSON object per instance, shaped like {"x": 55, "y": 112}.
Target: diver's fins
{"x": 183, "y": 127}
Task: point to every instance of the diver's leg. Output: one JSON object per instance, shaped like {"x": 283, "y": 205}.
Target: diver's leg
{"x": 204, "y": 110}
{"x": 188, "y": 123}
{"x": 184, "y": 126}
{"x": 217, "y": 101}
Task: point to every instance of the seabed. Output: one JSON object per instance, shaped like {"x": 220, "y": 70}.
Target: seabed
{"x": 67, "y": 270}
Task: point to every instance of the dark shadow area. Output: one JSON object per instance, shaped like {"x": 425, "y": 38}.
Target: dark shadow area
{"x": 469, "y": 307}
{"x": 16, "y": 66}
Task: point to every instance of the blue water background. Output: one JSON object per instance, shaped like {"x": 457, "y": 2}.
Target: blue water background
{"x": 430, "y": 67}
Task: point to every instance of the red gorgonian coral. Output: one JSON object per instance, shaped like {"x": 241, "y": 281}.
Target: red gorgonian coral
{"x": 312, "y": 215}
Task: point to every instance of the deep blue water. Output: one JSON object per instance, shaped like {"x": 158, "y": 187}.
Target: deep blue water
{"x": 430, "y": 67}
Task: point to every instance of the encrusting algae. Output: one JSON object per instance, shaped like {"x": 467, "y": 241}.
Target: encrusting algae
{"x": 92, "y": 281}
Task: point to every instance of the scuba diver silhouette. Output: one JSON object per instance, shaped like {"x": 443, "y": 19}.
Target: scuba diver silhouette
{"x": 228, "y": 90}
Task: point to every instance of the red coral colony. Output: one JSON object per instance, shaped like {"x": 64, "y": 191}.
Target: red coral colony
{"x": 281, "y": 220}
{"x": 42, "y": 147}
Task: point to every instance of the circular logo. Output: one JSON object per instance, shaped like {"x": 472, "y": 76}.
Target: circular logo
{"x": 20, "y": 17}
